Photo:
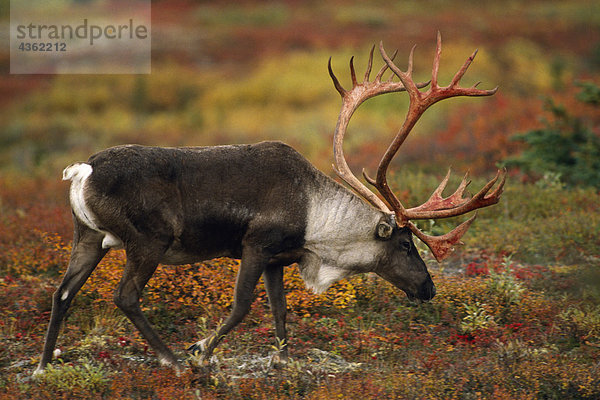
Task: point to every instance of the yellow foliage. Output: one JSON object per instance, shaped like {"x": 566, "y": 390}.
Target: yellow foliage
{"x": 209, "y": 286}
{"x": 527, "y": 62}
{"x": 42, "y": 257}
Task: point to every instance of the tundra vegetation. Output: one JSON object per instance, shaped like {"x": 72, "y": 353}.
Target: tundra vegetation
{"x": 517, "y": 310}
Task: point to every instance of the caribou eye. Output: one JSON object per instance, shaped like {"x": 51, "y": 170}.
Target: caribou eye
{"x": 405, "y": 246}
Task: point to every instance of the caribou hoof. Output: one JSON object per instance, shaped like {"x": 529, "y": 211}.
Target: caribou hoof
{"x": 171, "y": 363}
{"x": 278, "y": 361}
{"x": 198, "y": 347}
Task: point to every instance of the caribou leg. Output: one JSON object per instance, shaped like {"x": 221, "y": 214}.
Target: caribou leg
{"x": 273, "y": 277}
{"x": 253, "y": 265}
{"x": 86, "y": 254}
{"x": 138, "y": 270}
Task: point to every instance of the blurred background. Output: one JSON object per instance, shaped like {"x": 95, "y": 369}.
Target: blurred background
{"x": 225, "y": 72}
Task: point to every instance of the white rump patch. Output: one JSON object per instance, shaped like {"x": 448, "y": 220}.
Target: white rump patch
{"x": 79, "y": 174}
{"x": 77, "y": 171}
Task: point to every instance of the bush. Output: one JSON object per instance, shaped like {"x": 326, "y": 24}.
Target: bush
{"x": 476, "y": 318}
{"x": 583, "y": 322}
{"x": 540, "y": 224}
{"x": 565, "y": 146}
{"x": 74, "y": 380}
{"x": 504, "y": 284}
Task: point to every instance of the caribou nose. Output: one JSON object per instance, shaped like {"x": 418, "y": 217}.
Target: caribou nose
{"x": 427, "y": 291}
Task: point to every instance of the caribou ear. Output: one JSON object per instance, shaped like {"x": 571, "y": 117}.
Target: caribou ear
{"x": 384, "y": 230}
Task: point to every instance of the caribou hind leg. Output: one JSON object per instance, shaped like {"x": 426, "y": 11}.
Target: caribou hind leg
{"x": 86, "y": 254}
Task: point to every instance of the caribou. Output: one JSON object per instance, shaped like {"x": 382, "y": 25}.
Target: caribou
{"x": 265, "y": 204}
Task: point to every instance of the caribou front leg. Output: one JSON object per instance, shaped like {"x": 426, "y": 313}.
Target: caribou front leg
{"x": 253, "y": 265}
{"x": 273, "y": 277}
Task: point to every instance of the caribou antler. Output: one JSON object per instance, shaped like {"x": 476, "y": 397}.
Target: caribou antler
{"x": 351, "y": 100}
{"x": 436, "y": 206}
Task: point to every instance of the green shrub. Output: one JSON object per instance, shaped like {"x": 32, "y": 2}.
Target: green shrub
{"x": 504, "y": 284}
{"x": 583, "y": 322}
{"x": 566, "y": 145}
{"x": 75, "y": 379}
{"x": 540, "y": 224}
{"x": 476, "y": 318}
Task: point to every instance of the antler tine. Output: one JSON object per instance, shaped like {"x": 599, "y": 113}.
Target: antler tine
{"x": 405, "y": 77}
{"x": 391, "y": 78}
{"x": 461, "y": 72}
{"x": 460, "y": 190}
{"x": 352, "y": 72}
{"x": 336, "y": 83}
{"x": 437, "y": 202}
{"x": 409, "y": 67}
{"x": 482, "y": 199}
{"x": 368, "y": 178}
{"x": 436, "y": 61}
{"x": 441, "y": 246}
{"x": 385, "y": 67}
{"x": 369, "y": 66}
{"x": 472, "y": 91}
{"x": 453, "y": 88}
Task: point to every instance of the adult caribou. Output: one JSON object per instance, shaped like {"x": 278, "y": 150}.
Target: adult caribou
{"x": 263, "y": 203}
